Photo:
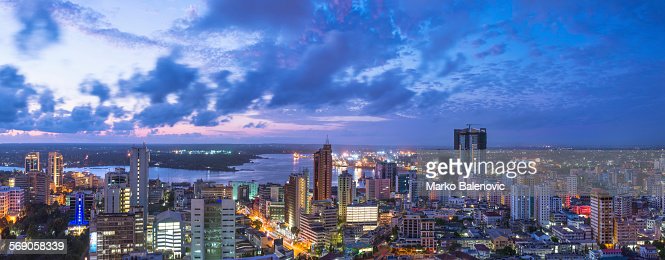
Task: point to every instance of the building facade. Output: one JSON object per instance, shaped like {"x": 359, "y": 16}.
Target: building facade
{"x": 55, "y": 168}
{"x": 296, "y": 198}
{"x": 323, "y": 172}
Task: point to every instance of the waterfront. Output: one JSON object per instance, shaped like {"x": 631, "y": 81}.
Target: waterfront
{"x": 270, "y": 168}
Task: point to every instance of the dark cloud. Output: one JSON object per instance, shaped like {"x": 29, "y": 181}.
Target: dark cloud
{"x": 96, "y": 88}
{"x": 14, "y": 113}
{"x": 80, "y": 119}
{"x": 47, "y": 101}
{"x": 256, "y": 14}
{"x": 206, "y": 118}
{"x": 591, "y": 63}
{"x": 256, "y": 125}
{"x": 167, "y": 77}
{"x": 38, "y": 27}
{"x": 14, "y": 93}
{"x": 41, "y": 22}
{"x": 161, "y": 114}
{"x": 342, "y": 37}
{"x": 106, "y": 111}
{"x": 496, "y": 49}
{"x": 192, "y": 99}
{"x": 238, "y": 97}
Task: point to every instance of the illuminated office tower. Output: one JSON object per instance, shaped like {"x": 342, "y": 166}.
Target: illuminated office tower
{"x": 323, "y": 172}
{"x": 602, "y": 217}
{"x": 32, "y": 162}
{"x": 113, "y": 235}
{"x": 317, "y": 228}
{"x": 198, "y": 228}
{"x": 521, "y": 202}
{"x": 571, "y": 189}
{"x": 80, "y": 207}
{"x": 215, "y": 191}
{"x": 658, "y": 188}
{"x": 12, "y": 200}
{"x": 139, "y": 160}
{"x": 346, "y": 188}
{"x": 470, "y": 143}
{"x": 169, "y": 234}
{"x": 659, "y": 164}
{"x": 625, "y": 232}
{"x": 365, "y": 216}
{"x": 116, "y": 191}
{"x": 556, "y": 204}
{"x": 39, "y": 187}
{"x": 623, "y": 206}
{"x": 387, "y": 170}
{"x": 252, "y": 188}
{"x": 296, "y": 197}
{"x": 213, "y": 229}
{"x": 274, "y": 192}
{"x": 407, "y": 185}
{"x": 542, "y": 195}
{"x": 377, "y": 189}
{"x": 55, "y": 168}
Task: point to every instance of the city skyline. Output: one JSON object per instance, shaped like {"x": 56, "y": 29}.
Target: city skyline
{"x": 562, "y": 74}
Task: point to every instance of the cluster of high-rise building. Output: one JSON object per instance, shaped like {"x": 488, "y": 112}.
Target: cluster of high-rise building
{"x": 388, "y": 213}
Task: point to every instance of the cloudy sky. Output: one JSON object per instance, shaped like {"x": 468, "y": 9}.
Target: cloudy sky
{"x": 362, "y": 72}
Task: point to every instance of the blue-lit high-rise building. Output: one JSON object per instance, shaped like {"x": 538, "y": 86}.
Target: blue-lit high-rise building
{"x": 81, "y": 205}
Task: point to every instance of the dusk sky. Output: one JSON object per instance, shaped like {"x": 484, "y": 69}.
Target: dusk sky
{"x": 362, "y": 72}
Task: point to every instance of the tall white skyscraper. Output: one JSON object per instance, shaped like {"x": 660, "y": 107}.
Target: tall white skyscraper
{"x": 623, "y": 206}
{"x": 542, "y": 195}
{"x": 345, "y": 191}
{"x": 571, "y": 185}
{"x": 520, "y": 202}
{"x": 228, "y": 229}
{"x": 139, "y": 159}
{"x": 295, "y": 196}
{"x": 55, "y": 168}
{"x": 571, "y": 189}
{"x": 169, "y": 233}
{"x": 32, "y": 162}
{"x": 116, "y": 191}
{"x": 213, "y": 229}
{"x": 198, "y": 228}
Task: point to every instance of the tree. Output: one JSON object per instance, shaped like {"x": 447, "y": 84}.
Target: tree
{"x": 394, "y": 234}
{"x": 295, "y": 231}
{"x": 507, "y": 251}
